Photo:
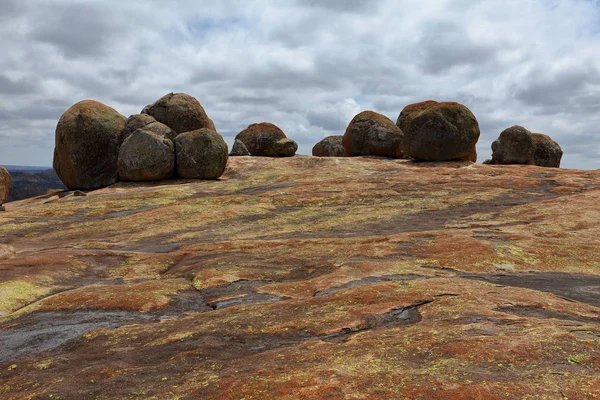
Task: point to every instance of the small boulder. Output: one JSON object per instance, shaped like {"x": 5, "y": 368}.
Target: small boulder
{"x": 5, "y": 181}
{"x": 373, "y": 134}
{"x": 331, "y": 146}
{"x": 439, "y": 131}
{"x": 180, "y": 112}
{"x": 87, "y": 141}
{"x": 148, "y": 123}
{"x": 146, "y": 156}
{"x": 239, "y": 149}
{"x": 267, "y": 140}
{"x": 200, "y": 154}
{"x": 516, "y": 145}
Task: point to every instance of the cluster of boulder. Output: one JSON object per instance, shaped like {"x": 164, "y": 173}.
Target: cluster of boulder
{"x": 436, "y": 131}
{"x": 5, "y": 181}
{"x": 96, "y": 146}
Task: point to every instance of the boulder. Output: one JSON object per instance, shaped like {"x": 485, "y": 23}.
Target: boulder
{"x": 439, "y": 131}
{"x": 148, "y": 123}
{"x": 373, "y": 134}
{"x": 180, "y": 112}
{"x": 200, "y": 154}
{"x": 331, "y": 146}
{"x": 146, "y": 156}
{"x": 239, "y": 149}
{"x": 87, "y": 141}
{"x": 5, "y": 182}
{"x": 516, "y": 145}
{"x": 267, "y": 140}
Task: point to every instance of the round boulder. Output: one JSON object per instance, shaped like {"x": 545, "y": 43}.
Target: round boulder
{"x": 267, "y": 140}
{"x": 373, "y": 134}
{"x": 180, "y": 112}
{"x": 200, "y": 154}
{"x": 239, "y": 149}
{"x": 516, "y": 145}
{"x": 87, "y": 141}
{"x": 439, "y": 131}
{"x": 146, "y": 156}
{"x": 148, "y": 123}
{"x": 331, "y": 146}
{"x": 5, "y": 181}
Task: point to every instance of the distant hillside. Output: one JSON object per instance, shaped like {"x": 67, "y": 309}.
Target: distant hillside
{"x": 32, "y": 181}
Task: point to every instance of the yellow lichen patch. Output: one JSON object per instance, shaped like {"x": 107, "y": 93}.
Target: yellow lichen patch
{"x": 17, "y": 293}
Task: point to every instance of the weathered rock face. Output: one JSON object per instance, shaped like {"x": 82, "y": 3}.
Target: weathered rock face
{"x": 146, "y": 156}
{"x": 331, "y": 146}
{"x": 439, "y": 131}
{"x": 180, "y": 112}
{"x": 239, "y": 149}
{"x": 148, "y": 123}
{"x": 88, "y": 137}
{"x": 267, "y": 140}
{"x": 372, "y": 134}
{"x": 516, "y": 145}
{"x": 5, "y": 181}
{"x": 200, "y": 154}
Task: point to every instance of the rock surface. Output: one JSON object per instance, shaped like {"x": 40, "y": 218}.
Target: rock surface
{"x": 5, "y": 182}
{"x": 331, "y": 146}
{"x": 88, "y": 137}
{"x": 146, "y": 156}
{"x": 372, "y": 134}
{"x": 200, "y": 154}
{"x": 306, "y": 277}
{"x": 239, "y": 149}
{"x": 147, "y": 122}
{"x": 180, "y": 112}
{"x": 516, "y": 145}
{"x": 267, "y": 140}
{"x": 439, "y": 131}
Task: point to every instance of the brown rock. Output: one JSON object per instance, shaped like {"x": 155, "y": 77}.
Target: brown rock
{"x": 439, "y": 131}
{"x": 516, "y": 145}
{"x": 331, "y": 146}
{"x": 373, "y": 134}
{"x": 147, "y": 122}
{"x": 146, "y": 156}
{"x": 5, "y": 181}
{"x": 180, "y": 112}
{"x": 239, "y": 149}
{"x": 200, "y": 154}
{"x": 267, "y": 140}
{"x": 88, "y": 137}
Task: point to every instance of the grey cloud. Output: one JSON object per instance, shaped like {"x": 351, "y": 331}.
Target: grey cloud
{"x": 340, "y": 5}
{"x": 21, "y": 86}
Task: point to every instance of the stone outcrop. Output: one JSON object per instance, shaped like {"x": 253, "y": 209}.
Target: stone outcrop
{"x": 200, "y": 154}
{"x": 88, "y": 137}
{"x": 239, "y": 149}
{"x": 148, "y": 123}
{"x": 373, "y": 134}
{"x": 331, "y": 146}
{"x": 146, "y": 156}
{"x": 517, "y": 145}
{"x": 180, "y": 112}
{"x": 267, "y": 140}
{"x": 439, "y": 131}
{"x": 5, "y": 181}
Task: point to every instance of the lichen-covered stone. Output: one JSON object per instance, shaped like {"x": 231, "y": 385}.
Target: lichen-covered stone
{"x": 200, "y": 154}
{"x": 148, "y": 123}
{"x": 331, "y": 146}
{"x": 5, "y": 181}
{"x": 88, "y": 137}
{"x": 146, "y": 156}
{"x": 373, "y": 134}
{"x": 239, "y": 149}
{"x": 180, "y": 112}
{"x": 439, "y": 131}
{"x": 267, "y": 140}
{"x": 517, "y": 145}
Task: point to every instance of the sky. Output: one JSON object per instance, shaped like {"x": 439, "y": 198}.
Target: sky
{"x": 307, "y": 66}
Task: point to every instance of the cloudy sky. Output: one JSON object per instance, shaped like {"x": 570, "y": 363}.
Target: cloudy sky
{"x": 307, "y": 65}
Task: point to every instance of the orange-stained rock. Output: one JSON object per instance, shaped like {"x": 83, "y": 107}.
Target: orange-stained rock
{"x": 516, "y": 145}
{"x": 267, "y": 140}
{"x": 180, "y": 112}
{"x": 373, "y": 134}
{"x": 5, "y": 181}
{"x": 331, "y": 146}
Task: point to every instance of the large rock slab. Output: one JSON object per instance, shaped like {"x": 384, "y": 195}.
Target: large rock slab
{"x": 200, "y": 154}
{"x": 146, "y": 156}
{"x": 267, "y": 140}
{"x": 373, "y": 134}
{"x": 439, "y": 131}
{"x": 331, "y": 146}
{"x": 517, "y": 145}
{"x": 180, "y": 112}
{"x": 87, "y": 141}
{"x": 5, "y": 181}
